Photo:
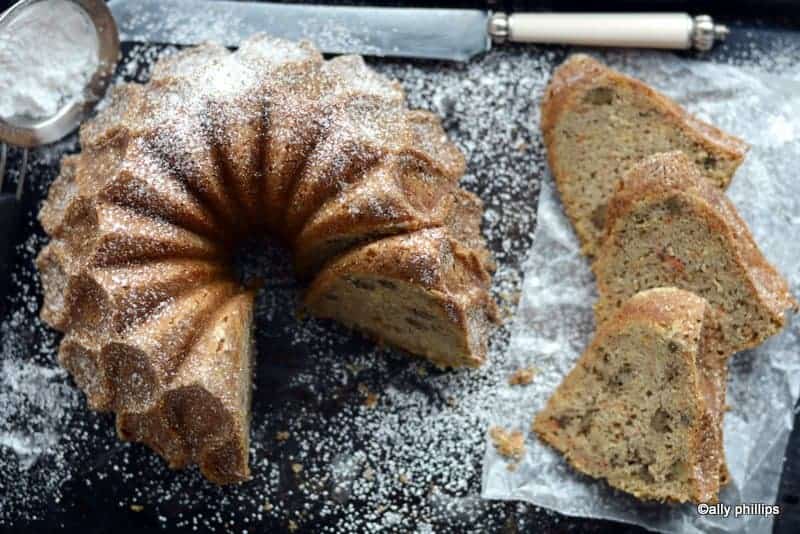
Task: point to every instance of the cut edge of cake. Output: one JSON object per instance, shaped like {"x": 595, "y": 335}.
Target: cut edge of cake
{"x": 446, "y": 310}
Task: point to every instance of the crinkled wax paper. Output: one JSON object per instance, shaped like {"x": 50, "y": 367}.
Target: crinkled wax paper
{"x": 554, "y": 320}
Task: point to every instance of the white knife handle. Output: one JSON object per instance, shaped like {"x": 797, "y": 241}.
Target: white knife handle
{"x": 644, "y": 30}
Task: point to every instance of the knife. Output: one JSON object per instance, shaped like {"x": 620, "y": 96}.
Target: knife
{"x": 452, "y": 34}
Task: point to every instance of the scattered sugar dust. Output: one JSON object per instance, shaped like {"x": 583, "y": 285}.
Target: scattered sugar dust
{"x": 369, "y": 439}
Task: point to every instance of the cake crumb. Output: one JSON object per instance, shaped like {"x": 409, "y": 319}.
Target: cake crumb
{"x": 370, "y": 398}
{"x": 522, "y": 377}
{"x": 282, "y": 436}
{"x": 293, "y": 526}
{"x": 137, "y": 508}
{"x": 509, "y": 444}
{"x": 297, "y": 468}
{"x": 267, "y": 506}
{"x": 353, "y": 368}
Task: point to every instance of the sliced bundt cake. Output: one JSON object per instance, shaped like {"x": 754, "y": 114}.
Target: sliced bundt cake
{"x": 219, "y": 146}
{"x": 597, "y": 123}
{"x": 422, "y": 291}
{"x": 643, "y": 406}
{"x": 667, "y": 226}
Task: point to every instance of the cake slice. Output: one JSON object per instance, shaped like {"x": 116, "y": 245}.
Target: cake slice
{"x": 642, "y": 407}
{"x": 421, "y": 292}
{"x": 597, "y": 123}
{"x": 667, "y": 226}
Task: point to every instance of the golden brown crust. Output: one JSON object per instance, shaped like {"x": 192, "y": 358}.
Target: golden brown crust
{"x": 351, "y": 219}
{"x": 581, "y": 71}
{"x": 451, "y": 279}
{"x": 422, "y": 258}
{"x": 203, "y": 415}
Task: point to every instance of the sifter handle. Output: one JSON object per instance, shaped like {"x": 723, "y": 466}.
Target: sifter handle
{"x": 10, "y": 221}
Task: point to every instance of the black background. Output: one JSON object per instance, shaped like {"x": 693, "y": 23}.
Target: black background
{"x": 770, "y": 21}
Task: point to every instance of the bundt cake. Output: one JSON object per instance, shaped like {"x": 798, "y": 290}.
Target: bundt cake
{"x": 218, "y": 146}
{"x": 642, "y": 407}
{"x": 597, "y": 123}
{"x": 668, "y": 226}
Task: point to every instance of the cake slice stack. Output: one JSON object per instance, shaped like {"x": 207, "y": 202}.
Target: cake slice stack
{"x": 597, "y": 123}
{"x": 682, "y": 285}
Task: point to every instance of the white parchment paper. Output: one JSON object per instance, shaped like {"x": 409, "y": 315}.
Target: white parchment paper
{"x": 554, "y": 322}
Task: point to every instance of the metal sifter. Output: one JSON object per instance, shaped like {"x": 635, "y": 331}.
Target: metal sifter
{"x": 25, "y": 132}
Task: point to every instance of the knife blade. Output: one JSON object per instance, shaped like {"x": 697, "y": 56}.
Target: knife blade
{"x": 455, "y": 34}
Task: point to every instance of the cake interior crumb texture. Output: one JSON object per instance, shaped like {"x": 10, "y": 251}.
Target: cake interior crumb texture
{"x": 642, "y": 408}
